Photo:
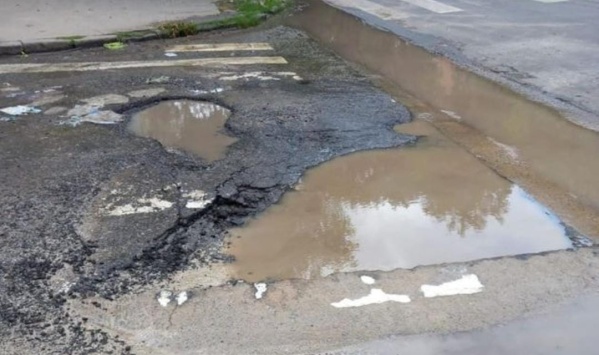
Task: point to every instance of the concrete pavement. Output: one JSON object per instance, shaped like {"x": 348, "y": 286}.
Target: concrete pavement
{"x": 547, "y": 44}
{"x": 41, "y": 19}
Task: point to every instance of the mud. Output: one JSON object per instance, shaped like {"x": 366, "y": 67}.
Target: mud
{"x": 552, "y": 148}
{"x": 194, "y": 127}
{"x": 432, "y": 203}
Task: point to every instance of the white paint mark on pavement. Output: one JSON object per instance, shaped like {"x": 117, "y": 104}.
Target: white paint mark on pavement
{"x": 550, "y": 1}
{"x": 468, "y": 284}
{"x": 367, "y": 280}
{"x": 221, "y": 47}
{"x": 434, "y": 6}
{"x": 164, "y": 297}
{"x": 204, "y": 92}
{"x": 198, "y": 199}
{"x": 20, "y": 110}
{"x": 259, "y": 75}
{"x": 260, "y": 290}
{"x": 143, "y": 205}
{"x": 170, "y": 55}
{"x": 93, "y": 66}
{"x": 376, "y": 296}
{"x": 182, "y": 297}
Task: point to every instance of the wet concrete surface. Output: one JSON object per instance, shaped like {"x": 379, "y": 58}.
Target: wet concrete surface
{"x": 567, "y": 329}
{"x": 431, "y": 203}
{"x": 98, "y": 224}
{"x": 195, "y": 127}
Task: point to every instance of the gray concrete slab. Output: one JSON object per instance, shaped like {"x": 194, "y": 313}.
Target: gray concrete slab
{"x": 553, "y": 46}
{"x": 569, "y": 329}
{"x": 26, "y": 20}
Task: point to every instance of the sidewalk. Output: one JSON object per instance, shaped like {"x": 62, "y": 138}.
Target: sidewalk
{"x": 31, "y": 20}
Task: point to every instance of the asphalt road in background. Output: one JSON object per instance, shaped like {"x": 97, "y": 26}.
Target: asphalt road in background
{"x": 552, "y": 45}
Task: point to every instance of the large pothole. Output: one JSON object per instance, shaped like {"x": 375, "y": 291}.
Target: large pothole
{"x": 380, "y": 210}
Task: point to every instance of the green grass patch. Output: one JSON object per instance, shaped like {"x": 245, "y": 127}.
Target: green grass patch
{"x": 179, "y": 29}
{"x": 248, "y": 13}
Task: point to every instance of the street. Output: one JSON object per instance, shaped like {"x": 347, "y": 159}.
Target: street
{"x": 312, "y": 185}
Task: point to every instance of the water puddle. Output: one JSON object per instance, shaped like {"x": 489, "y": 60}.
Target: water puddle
{"x": 553, "y": 152}
{"x": 192, "y": 126}
{"x": 381, "y": 210}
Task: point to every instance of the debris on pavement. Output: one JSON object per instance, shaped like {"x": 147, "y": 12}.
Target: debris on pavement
{"x": 468, "y": 284}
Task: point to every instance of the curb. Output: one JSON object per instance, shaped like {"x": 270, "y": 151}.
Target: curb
{"x": 61, "y": 44}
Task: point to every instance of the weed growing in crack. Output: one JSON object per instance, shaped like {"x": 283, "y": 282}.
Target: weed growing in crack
{"x": 248, "y": 13}
{"x": 179, "y": 29}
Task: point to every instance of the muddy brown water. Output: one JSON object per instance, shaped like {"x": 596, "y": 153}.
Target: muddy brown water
{"x": 554, "y": 150}
{"x": 381, "y": 210}
{"x": 192, "y": 126}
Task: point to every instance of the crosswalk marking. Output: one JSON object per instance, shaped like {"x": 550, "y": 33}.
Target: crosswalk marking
{"x": 381, "y": 11}
{"x": 220, "y": 47}
{"x": 93, "y": 66}
{"x": 386, "y": 12}
{"x": 433, "y": 6}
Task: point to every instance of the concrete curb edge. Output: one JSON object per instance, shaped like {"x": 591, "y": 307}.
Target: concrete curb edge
{"x": 60, "y": 44}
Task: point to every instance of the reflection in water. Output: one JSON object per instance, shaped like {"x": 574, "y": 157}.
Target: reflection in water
{"x": 381, "y": 210}
{"x": 188, "y": 125}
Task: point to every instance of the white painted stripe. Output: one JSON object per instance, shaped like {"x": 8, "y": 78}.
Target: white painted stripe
{"x": 221, "y": 47}
{"x": 92, "y": 66}
{"x": 378, "y": 10}
{"x": 433, "y": 6}
{"x": 550, "y": 1}
{"x": 467, "y": 285}
{"x": 376, "y": 296}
